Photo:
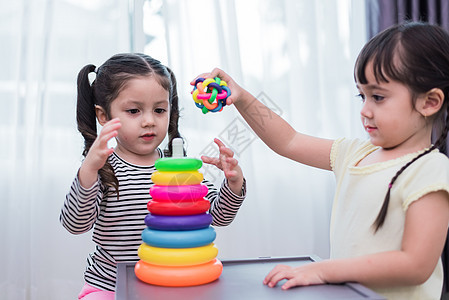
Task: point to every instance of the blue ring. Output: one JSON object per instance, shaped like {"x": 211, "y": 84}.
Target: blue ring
{"x": 218, "y": 87}
{"x": 201, "y": 79}
{"x": 185, "y": 222}
{"x": 178, "y": 239}
{"x": 228, "y": 90}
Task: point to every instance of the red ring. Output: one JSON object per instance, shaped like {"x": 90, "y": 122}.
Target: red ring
{"x": 178, "y": 208}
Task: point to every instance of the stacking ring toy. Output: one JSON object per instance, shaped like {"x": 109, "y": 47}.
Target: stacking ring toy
{"x": 178, "y": 239}
{"x": 190, "y": 222}
{"x": 178, "y": 209}
{"x": 177, "y": 178}
{"x": 177, "y": 257}
{"x": 178, "y": 193}
{"x": 178, "y": 276}
{"x": 178, "y": 164}
{"x": 210, "y": 94}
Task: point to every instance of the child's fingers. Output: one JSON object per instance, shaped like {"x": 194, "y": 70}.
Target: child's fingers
{"x": 231, "y": 174}
{"x": 291, "y": 283}
{"x": 104, "y": 139}
{"x": 223, "y": 149}
{"x": 219, "y": 142}
{"x": 216, "y": 72}
{"x": 226, "y": 151}
{"x": 232, "y": 162}
{"x": 230, "y": 100}
{"x": 210, "y": 160}
{"x": 110, "y": 126}
{"x": 203, "y": 75}
{"x": 109, "y": 131}
{"x": 271, "y": 277}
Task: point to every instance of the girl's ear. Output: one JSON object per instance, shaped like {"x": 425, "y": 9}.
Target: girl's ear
{"x": 101, "y": 115}
{"x": 431, "y": 102}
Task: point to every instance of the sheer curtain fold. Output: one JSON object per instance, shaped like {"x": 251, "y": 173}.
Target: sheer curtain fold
{"x": 44, "y": 45}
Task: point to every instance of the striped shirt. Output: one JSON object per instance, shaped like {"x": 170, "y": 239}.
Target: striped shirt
{"x": 118, "y": 223}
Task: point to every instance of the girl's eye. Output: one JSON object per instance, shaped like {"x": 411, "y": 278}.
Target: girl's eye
{"x": 378, "y": 98}
{"x": 362, "y": 97}
{"x": 160, "y": 110}
{"x": 132, "y": 111}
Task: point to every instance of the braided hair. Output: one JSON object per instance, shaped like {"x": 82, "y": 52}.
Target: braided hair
{"x": 111, "y": 78}
{"x": 416, "y": 55}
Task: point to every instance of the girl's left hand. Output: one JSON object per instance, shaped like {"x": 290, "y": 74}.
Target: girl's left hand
{"x": 309, "y": 274}
{"x": 229, "y": 165}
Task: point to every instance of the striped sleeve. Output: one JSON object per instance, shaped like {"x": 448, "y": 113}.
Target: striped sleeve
{"x": 81, "y": 207}
{"x": 224, "y": 203}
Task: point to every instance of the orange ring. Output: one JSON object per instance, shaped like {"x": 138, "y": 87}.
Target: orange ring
{"x": 178, "y": 276}
{"x": 210, "y": 106}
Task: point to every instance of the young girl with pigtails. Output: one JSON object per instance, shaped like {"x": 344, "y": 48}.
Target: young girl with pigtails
{"x": 134, "y": 98}
{"x": 390, "y": 212}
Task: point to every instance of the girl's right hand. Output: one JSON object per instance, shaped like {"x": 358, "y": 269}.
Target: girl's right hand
{"x": 236, "y": 90}
{"x": 98, "y": 153}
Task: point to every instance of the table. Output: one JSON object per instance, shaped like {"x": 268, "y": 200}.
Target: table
{"x": 241, "y": 279}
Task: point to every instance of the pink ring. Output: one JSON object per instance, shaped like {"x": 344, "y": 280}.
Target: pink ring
{"x": 222, "y": 95}
{"x": 178, "y": 193}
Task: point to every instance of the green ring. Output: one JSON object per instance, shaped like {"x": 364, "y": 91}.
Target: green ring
{"x": 213, "y": 96}
{"x": 178, "y": 164}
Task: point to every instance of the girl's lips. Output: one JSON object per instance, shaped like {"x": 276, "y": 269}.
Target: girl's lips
{"x": 370, "y": 129}
{"x": 147, "y": 137}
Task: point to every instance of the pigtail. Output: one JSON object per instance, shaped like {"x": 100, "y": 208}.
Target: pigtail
{"x": 85, "y": 108}
{"x": 173, "y": 131}
{"x": 383, "y": 211}
{"x": 87, "y": 122}
{"x": 441, "y": 142}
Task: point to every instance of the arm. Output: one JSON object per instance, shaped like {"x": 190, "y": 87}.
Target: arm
{"x": 226, "y": 203}
{"x": 422, "y": 243}
{"x": 80, "y": 209}
{"x": 275, "y": 131}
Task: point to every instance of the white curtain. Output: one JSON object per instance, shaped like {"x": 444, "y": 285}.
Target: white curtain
{"x": 297, "y": 56}
{"x": 44, "y": 44}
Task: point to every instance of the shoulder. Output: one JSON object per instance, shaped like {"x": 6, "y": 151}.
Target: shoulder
{"x": 434, "y": 162}
{"x": 430, "y": 173}
{"x": 344, "y": 149}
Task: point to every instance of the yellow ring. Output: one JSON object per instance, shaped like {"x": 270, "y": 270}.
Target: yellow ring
{"x": 207, "y": 81}
{"x": 177, "y": 178}
{"x": 195, "y": 96}
{"x": 177, "y": 257}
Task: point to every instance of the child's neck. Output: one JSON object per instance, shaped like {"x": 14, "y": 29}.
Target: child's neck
{"x": 381, "y": 154}
{"x": 136, "y": 159}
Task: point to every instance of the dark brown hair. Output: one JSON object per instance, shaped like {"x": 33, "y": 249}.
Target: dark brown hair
{"x": 417, "y": 55}
{"x": 111, "y": 78}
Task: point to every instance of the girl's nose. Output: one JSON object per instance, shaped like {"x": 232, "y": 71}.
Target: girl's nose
{"x": 147, "y": 120}
{"x": 366, "y": 111}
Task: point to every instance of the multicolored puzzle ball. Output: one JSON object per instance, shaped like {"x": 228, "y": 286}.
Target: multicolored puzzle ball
{"x": 210, "y": 94}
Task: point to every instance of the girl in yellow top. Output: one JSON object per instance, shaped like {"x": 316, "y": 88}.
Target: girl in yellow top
{"x": 391, "y": 208}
